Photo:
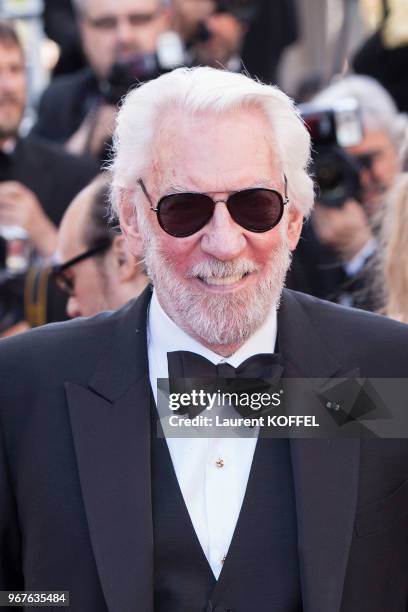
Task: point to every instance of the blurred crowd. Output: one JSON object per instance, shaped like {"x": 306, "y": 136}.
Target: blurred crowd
{"x": 61, "y": 255}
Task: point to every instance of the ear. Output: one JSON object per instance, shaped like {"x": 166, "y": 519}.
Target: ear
{"x": 126, "y": 267}
{"x": 129, "y": 224}
{"x": 294, "y": 228}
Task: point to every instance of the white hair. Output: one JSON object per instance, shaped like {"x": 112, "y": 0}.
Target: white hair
{"x": 378, "y": 109}
{"x": 194, "y": 90}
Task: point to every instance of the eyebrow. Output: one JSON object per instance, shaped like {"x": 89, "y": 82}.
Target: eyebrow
{"x": 180, "y": 188}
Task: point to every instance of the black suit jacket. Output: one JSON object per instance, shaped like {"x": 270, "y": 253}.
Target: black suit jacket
{"x": 51, "y": 173}
{"x": 65, "y": 104}
{"x": 75, "y": 497}
{"x": 274, "y": 28}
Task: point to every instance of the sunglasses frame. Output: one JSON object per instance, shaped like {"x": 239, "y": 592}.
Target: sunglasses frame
{"x": 58, "y": 270}
{"x": 282, "y": 199}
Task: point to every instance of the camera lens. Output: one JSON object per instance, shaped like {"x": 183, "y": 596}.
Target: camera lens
{"x": 337, "y": 177}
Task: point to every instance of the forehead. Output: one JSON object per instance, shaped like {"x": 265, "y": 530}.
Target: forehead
{"x": 118, "y": 7}
{"x": 71, "y": 232}
{"x": 209, "y": 152}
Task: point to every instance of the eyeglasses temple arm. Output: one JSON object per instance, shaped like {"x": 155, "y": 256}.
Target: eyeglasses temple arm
{"x": 286, "y": 200}
{"x": 99, "y": 248}
{"x": 143, "y": 188}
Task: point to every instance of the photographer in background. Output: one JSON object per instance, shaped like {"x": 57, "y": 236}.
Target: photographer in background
{"x": 213, "y": 30}
{"x": 338, "y": 244}
{"x": 236, "y": 34}
{"x": 96, "y": 270}
{"x": 79, "y": 109}
{"x": 37, "y": 182}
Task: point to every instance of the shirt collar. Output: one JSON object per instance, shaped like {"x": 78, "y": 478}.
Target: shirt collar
{"x": 359, "y": 260}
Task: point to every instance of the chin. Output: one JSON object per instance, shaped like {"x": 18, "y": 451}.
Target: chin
{"x": 219, "y": 315}
{"x": 221, "y": 318}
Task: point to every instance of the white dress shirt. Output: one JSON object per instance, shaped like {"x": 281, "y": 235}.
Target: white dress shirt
{"x": 212, "y": 472}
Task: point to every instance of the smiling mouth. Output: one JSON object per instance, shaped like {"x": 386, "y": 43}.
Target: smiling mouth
{"x": 222, "y": 281}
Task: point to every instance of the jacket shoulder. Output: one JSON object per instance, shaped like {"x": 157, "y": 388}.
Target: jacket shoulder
{"x": 72, "y": 347}
{"x": 55, "y": 156}
{"x": 359, "y": 335}
{"x": 67, "y": 85}
{"x": 329, "y": 311}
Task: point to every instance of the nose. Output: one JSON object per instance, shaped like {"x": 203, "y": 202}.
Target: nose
{"x": 124, "y": 32}
{"x": 223, "y": 238}
{"x": 73, "y": 309}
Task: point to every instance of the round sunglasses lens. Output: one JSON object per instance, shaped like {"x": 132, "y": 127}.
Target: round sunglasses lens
{"x": 257, "y": 210}
{"x": 184, "y": 214}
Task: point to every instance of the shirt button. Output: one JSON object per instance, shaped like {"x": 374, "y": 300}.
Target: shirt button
{"x": 220, "y": 463}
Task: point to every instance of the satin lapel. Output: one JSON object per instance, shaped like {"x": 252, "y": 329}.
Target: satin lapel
{"x": 325, "y": 471}
{"x": 111, "y": 429}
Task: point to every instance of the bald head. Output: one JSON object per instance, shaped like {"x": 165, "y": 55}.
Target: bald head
{"x": 106, "y": 276}
{"x": 71, "y": 236}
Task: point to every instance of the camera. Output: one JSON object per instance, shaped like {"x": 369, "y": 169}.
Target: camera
{"x": 332, "y": 130}
{"x": 140, "y": 67}
{"x": 242, "y": 10}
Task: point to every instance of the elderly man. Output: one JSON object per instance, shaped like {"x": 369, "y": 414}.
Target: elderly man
{"x": 97, "y": 270}
{"x": 210, "y": 183}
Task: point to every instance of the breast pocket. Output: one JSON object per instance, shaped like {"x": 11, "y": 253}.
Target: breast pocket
{"x": 383, "y": 514}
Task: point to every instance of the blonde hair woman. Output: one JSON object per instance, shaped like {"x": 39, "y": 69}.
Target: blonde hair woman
{"x": 395, "y": 251}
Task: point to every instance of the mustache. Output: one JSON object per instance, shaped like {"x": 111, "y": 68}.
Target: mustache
{"x": 222, "y": 269}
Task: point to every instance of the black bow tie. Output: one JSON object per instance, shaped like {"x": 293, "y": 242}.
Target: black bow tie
{"x": 189, "y": 371}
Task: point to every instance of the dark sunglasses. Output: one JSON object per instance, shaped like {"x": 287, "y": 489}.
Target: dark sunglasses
{"x": 184, "y": 214}
{"x": 65, "y": 283}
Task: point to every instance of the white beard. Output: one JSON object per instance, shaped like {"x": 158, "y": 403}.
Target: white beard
{"x": 217, "y": 319}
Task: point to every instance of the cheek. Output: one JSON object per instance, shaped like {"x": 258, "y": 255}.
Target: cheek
{"x": 100, "y": 47}
{"x": 263, "y": 252}
{"x": 388, "y": 165}
{"x": 19, "y": 85}
{"x": 87, "y": 280}
{"x": 182, "y": 252}
{"x": 106, "y": 45}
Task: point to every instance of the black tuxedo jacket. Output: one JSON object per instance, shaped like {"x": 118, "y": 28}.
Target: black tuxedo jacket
{"x": 54, "y": 175}
{"x": 65, "y": 104}
{"x": 75, "y": 486}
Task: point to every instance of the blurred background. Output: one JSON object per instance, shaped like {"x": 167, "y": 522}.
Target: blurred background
{"x": 300, "y": 39}
{"x": 66, "y": 64}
